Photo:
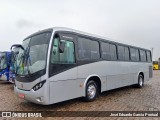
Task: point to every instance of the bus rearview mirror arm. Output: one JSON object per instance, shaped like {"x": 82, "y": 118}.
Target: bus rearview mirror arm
{"x": 17, "y": 46}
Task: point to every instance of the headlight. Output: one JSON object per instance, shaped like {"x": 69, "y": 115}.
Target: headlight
{"x": 38, "y": 85}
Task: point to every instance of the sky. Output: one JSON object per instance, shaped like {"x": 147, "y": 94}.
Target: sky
{"x": 133, "y": 22}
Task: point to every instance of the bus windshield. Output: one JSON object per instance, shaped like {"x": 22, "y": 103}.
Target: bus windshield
{"x": 3, "y": 61}
{"x": 33, "y": 58}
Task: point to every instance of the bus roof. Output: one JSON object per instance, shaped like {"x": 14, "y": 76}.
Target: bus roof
{"x": 64, "y": 29}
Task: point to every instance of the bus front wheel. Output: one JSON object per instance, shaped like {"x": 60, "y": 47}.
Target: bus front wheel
{"x": 91, "y": 91}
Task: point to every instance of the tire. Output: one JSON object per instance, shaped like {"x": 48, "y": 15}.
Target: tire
{"x": 140, "y": 81}
{"x": 91, "y": 91}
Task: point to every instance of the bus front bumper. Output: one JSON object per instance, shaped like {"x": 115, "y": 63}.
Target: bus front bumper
{"x": 30, "y": 95}
{"x": 3, "y": 78}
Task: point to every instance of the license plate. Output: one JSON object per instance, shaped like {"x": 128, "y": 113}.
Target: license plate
{"x": 21, "y": 95}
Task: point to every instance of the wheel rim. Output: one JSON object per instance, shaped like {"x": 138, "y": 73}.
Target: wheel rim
{"x": 140, "y": 81}
{"x": 91, "y": 91}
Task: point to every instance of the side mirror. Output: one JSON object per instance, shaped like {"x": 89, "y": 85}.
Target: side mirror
{"x": 61, "y": 47}
{"x": 17, "y": 46}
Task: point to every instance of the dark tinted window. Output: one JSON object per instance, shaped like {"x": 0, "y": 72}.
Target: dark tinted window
{"x": 40, "y": 39}
{"x": 149, "y": 56}
{"x": 113, "y": 52}
{"x": 133, "y": 54}
{"x": 123, "y": 53}
{"x": 126, "y": 55}
{"x": 120, "y": 52}
{"x": 143, "y": 55}
{"x": 88, "y": 49}
{"x": 108, "y": 51}
{"x": 137, "y": 54}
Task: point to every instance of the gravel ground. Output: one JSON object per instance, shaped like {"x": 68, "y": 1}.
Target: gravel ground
{"x": 122, "y": 99}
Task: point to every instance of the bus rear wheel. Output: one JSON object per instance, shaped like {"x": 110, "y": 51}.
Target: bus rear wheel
{"x": 91, "y": 91}
{"x": 140, "y": 81}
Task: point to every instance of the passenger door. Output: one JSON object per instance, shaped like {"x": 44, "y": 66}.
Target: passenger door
{"x": 62, "y": 69}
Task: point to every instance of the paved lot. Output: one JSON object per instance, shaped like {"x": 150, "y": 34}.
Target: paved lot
{"x": 123, "y": 99}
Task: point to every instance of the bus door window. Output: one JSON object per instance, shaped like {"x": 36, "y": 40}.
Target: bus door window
{"x": 3, "y": 63}
{"x": 67, "y": 56}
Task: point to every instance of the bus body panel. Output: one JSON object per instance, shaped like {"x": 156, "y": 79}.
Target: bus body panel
{"x": 62, "y": 88}
{"x": 103, "y": 69}
{"x": 65, "y": 84}
{"x": 31, "y": 95}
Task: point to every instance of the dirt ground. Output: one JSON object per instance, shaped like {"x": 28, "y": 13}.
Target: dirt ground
{"x": 122, "y": 99}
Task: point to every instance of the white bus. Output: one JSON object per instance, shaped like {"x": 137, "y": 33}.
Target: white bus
{"x": 59, "y": 64}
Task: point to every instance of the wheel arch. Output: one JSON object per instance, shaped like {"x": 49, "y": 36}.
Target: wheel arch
{"x": 140, "y": 73}
{"x": 96, "y": 79}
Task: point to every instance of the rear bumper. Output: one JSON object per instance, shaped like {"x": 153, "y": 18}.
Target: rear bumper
{"x": 32, "y": 96}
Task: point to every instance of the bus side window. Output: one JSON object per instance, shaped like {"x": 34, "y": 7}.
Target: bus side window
{"x": 143, "y": 55}
{"x": 126, "y": 54}
{"x": 133, "y": 54}
{"x": 67, "y": 57}
{"x": 113, "y": 52}
{"x": 149, "y": 59}
{"x": 88, "y": 49}
{"x": 137, "y": 55}
{"x": 55, "y": 52}
{"x": 121, "y": 52}
{"x": 105, "y": 51}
